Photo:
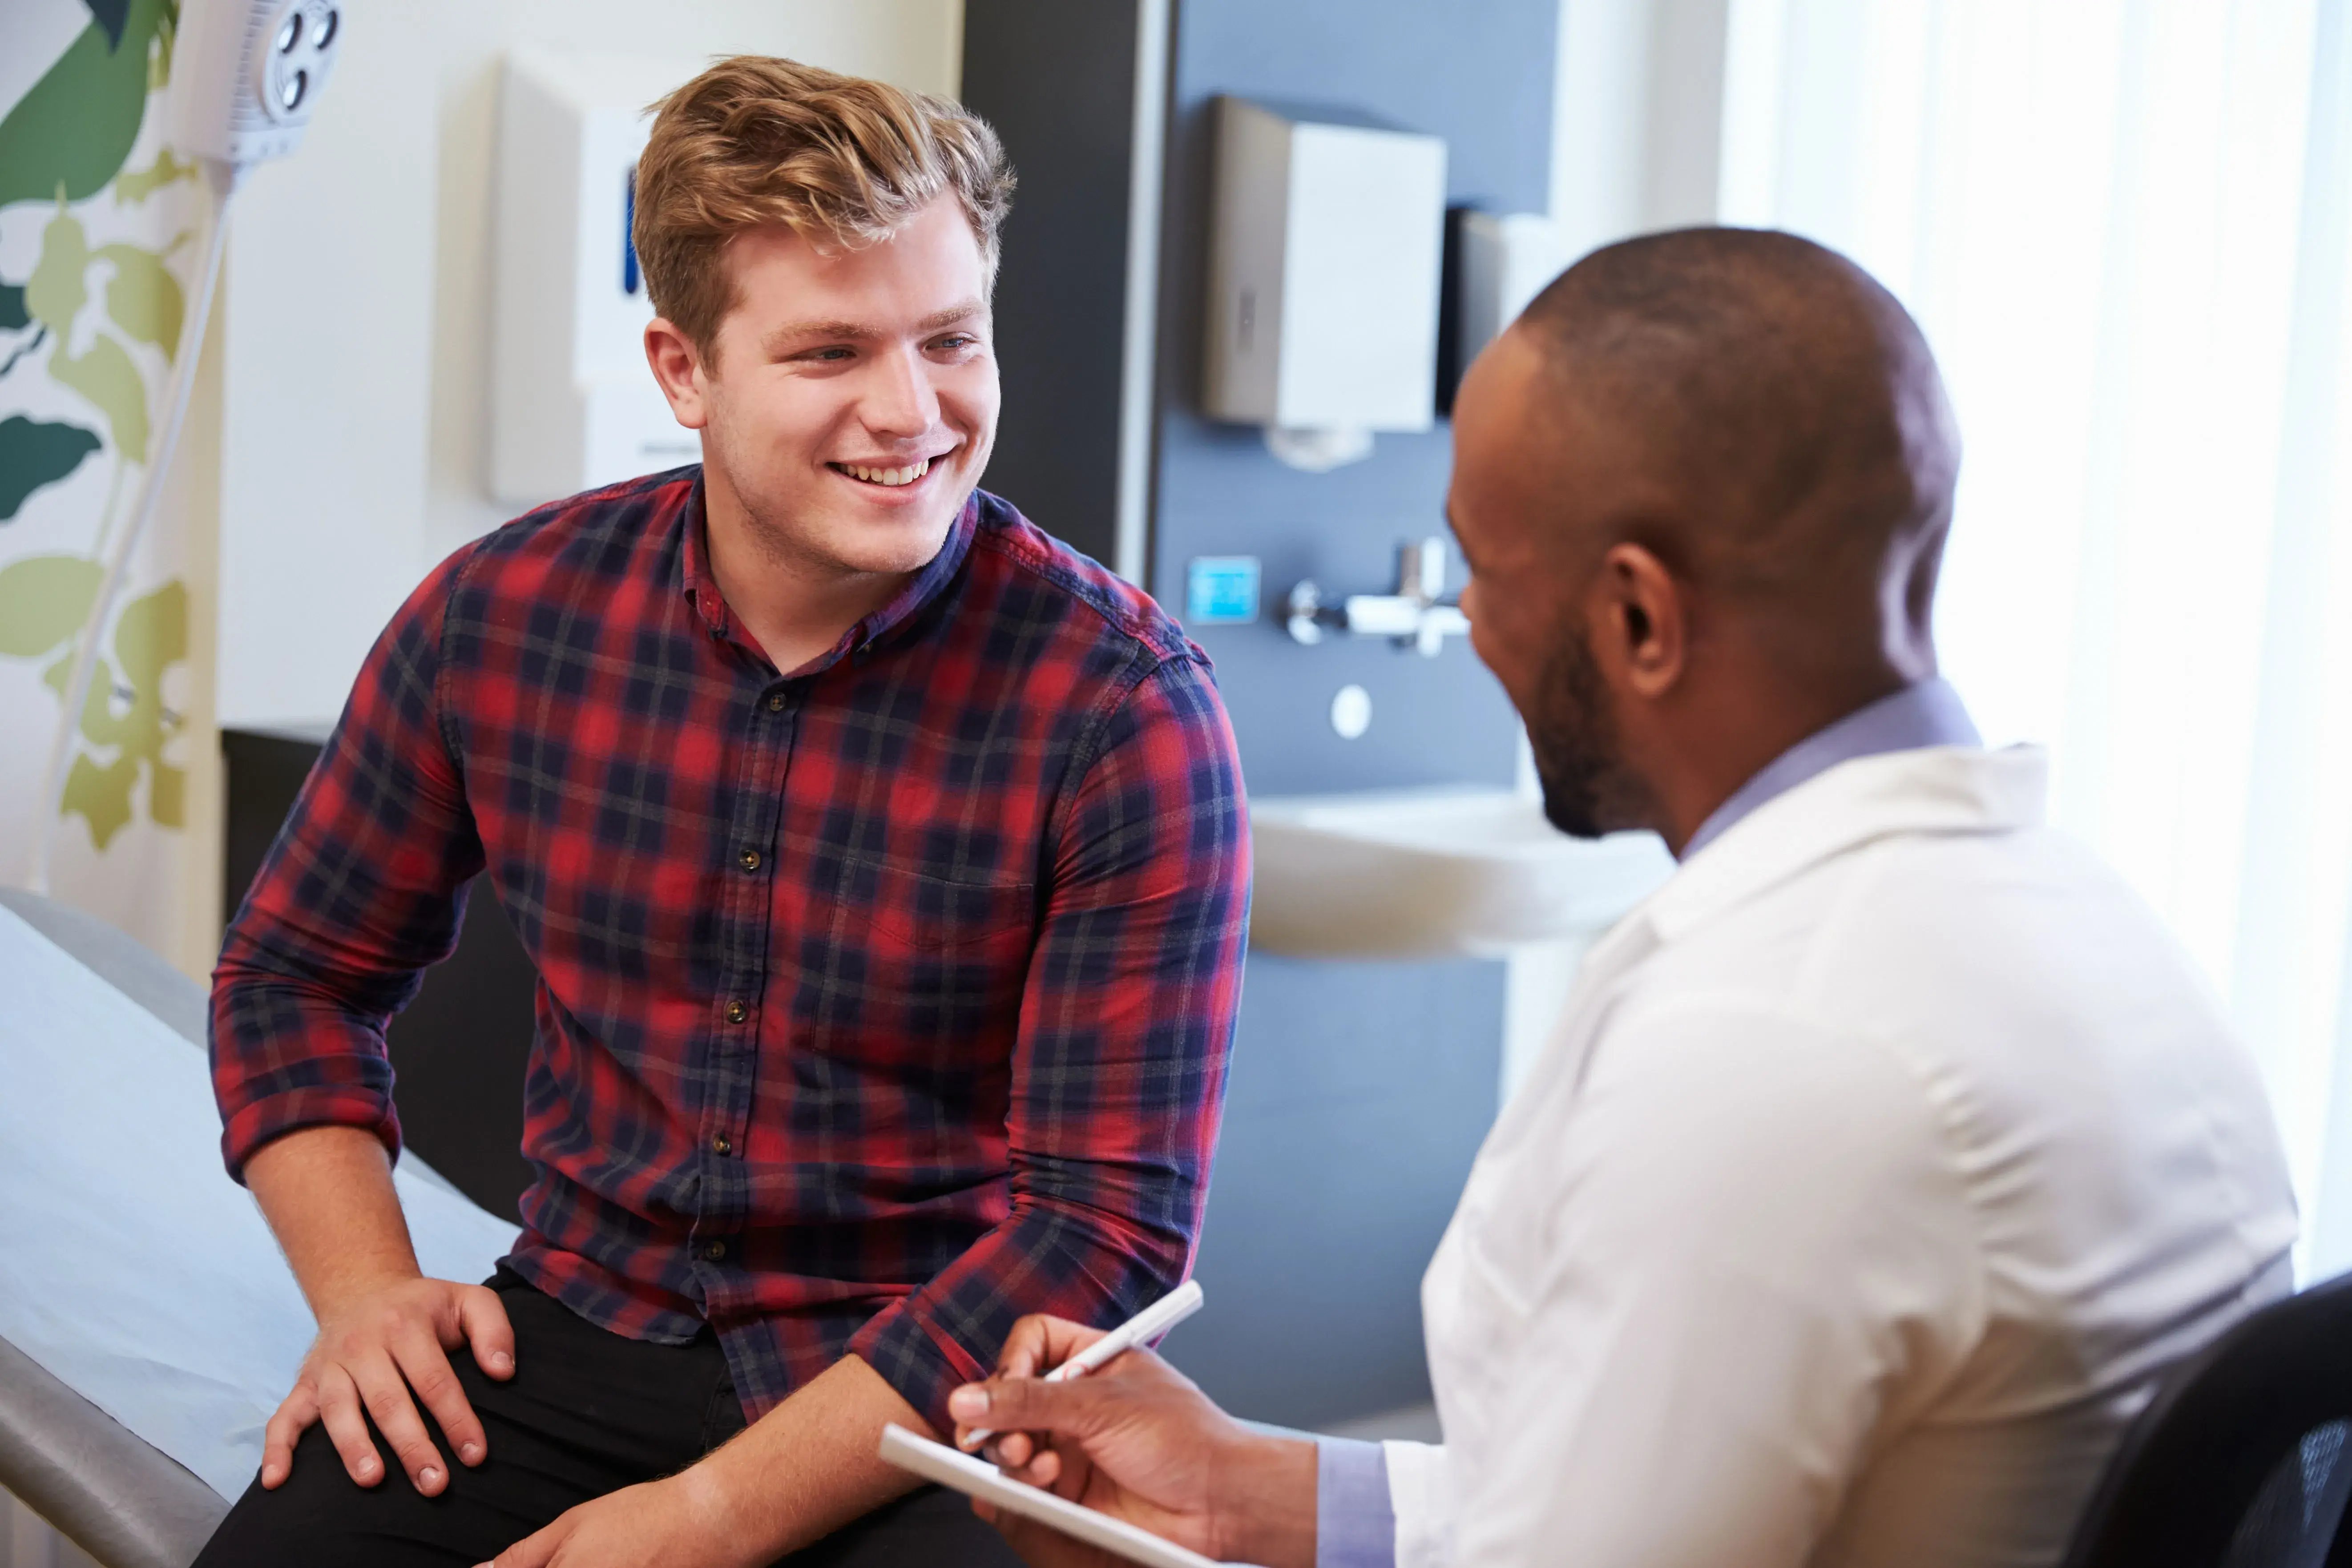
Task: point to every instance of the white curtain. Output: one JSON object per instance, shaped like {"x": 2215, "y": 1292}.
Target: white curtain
{"x": 2124, "y": 225}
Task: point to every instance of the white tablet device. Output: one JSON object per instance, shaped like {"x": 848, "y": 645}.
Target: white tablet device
{"x": 978, "y": 1478}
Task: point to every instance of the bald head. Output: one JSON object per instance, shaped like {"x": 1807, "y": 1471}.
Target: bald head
{"x": 1703, "y": 484}
{"x": 1782, "y": 402}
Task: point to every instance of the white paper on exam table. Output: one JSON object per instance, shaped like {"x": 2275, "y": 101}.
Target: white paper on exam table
{"x": 131, "y": 1265}
{"x": 978, "y": 1478}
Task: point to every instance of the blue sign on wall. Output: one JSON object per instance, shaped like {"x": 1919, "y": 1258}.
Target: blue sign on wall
{"x": 1221, "y": 589}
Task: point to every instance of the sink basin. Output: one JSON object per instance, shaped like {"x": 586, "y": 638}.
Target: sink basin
{"x": 1434, "y": 873}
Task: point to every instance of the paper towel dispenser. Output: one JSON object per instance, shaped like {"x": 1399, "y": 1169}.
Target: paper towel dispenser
{"x": 1327, "y": 244}
{"x": 1502, "y": 260}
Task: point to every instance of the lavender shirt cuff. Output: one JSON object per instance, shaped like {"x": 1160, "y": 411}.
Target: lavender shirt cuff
{"x": 1355, "y": 1527}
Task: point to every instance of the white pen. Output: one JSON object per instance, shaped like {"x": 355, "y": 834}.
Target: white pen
{"x": 1149, "y": 1324}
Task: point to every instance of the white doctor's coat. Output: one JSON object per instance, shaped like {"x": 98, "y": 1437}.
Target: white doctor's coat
{"x": 1885, "y": 1158}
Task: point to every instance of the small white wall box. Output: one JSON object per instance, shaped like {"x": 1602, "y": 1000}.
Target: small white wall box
{"x": 573, "y": 404}
{"x": 1506, "y": 260}
{"x": 1329, "y": 235}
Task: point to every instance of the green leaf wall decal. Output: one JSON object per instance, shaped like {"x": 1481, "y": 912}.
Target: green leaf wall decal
{"x": 109, "y": 379}
{"x": 44, "y": 599}
{"x": 143, "y": 298}
{"x": 77, "y": 124}
{"x": 135, "y": 185}
{"x": 34, "y": 453}
{"x": 150, "y": 635}
{"x": 58, "y": 287}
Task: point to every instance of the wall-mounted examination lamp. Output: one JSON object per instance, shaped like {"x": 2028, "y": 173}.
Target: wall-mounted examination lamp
{"x": 1417, "y": 616}
{"x": 244, "y": 77}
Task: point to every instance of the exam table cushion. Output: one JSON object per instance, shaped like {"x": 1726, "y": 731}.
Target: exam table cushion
{"x": 147, "y": 1324}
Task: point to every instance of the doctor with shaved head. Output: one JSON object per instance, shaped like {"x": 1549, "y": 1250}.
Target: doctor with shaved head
{"x": 1889, "y": 1154}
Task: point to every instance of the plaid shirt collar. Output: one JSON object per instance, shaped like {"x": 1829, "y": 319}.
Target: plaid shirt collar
{"x": 885, "y": 625}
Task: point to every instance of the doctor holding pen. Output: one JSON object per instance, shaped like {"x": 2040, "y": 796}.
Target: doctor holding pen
{"x": 1888, "y": 1156}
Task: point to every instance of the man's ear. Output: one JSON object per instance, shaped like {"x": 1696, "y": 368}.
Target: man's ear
{"x": 678, "y": 368}
{"x": 1642, "y": 626}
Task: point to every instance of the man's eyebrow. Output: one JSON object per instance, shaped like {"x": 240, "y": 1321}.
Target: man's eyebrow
{"x": 939, "y": 320}
{"x": 862, "y": 331}
{"x": 803, "y": 332}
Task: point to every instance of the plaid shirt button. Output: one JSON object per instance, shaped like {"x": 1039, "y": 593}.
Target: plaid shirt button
{"x": 716, "y": 1251}
{"x": 775, "y": 702}
{"x": 721, "y": 1144}
{"x": 749, "y": 860}
{"x": 737, "y": 1012}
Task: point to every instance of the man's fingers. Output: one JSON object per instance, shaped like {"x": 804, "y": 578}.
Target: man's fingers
{"x": 1028, "y": 1404}
{"x": 482, "y": 1318}
{"x": 339, "y": 1411}
{"x": 294, "y": 1412}
{"x": 428, "y": 1371}
{"x": 1043, "y": 1469}
{"x": 384, "y": 1392}
{"x": 1038, "y": 1343}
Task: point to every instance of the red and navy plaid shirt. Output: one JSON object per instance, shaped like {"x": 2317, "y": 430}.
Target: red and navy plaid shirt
{"x": 879, "y": 1002}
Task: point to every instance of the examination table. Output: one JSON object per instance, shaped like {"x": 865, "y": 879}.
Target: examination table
{"x": 147, "y": 1326}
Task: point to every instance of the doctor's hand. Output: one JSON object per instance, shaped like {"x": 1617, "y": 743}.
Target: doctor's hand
{"x": 374, "y": 1348}
{"x": 685, "y": 1520}
{"x": 1135, "y": 1440}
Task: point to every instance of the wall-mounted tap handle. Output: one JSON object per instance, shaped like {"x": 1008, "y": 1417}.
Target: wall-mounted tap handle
{"x": 1305, "y": 617}
{"x": 1414, "y": 616}
{"x": 1420, "y": 571}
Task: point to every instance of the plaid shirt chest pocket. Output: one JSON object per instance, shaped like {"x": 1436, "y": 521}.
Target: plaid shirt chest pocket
{"x": 905, "y": 969}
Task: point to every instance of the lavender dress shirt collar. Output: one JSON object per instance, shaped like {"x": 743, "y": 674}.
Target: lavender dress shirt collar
{"x": 1926, "y": 713}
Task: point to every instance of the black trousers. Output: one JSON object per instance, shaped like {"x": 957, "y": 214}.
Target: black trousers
{"x": 587, "y": 1412}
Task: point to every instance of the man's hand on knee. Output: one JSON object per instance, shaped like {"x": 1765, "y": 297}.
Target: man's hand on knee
{"x": 371, "y": 1351}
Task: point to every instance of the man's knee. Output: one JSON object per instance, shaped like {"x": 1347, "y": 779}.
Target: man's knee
{"x": 318, "y": 1514}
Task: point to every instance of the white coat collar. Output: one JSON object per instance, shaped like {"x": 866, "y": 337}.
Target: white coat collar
{"x": 1934, "y": 789}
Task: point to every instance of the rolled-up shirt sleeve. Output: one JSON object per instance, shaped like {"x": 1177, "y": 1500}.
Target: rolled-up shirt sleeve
{"x": 361, "y": 892}
{"x": 1118, "y": 1069}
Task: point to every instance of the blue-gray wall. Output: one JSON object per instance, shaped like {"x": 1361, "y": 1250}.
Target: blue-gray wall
{"x": 1360, "y": 1091}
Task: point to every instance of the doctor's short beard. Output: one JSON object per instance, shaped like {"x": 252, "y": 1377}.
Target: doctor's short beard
{"x": 1588, "y": 788}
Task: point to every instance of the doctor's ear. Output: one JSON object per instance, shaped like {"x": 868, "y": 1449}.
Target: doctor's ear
{"x": 677, "y": 367}
{"x": 1641, "y": 628}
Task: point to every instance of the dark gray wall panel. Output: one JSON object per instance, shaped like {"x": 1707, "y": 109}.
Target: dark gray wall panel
{"x": 1480, "y": 76}
{"x": 1354, "y": 1108}
{"x": 1055, "y": 77}
{"x": 1360, "y": 1091}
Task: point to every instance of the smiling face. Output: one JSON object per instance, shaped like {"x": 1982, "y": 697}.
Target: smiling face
{"x": 847, "y": 401}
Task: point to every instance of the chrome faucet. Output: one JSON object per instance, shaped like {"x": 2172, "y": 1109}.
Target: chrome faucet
{"x": 1416, "y": 615}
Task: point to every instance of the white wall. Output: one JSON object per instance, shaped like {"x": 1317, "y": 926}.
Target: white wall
{"x": 356, "y": 309}
{"x": 1637, "y": 117}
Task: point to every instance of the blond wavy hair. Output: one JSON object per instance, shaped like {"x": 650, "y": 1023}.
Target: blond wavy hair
{"x": 757, "y": 141}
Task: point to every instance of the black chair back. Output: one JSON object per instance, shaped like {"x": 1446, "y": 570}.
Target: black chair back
{"x": 2244, "y": 1460}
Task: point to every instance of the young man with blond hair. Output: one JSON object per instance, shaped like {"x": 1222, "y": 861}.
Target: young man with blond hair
{"x": 885, "y": 869}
